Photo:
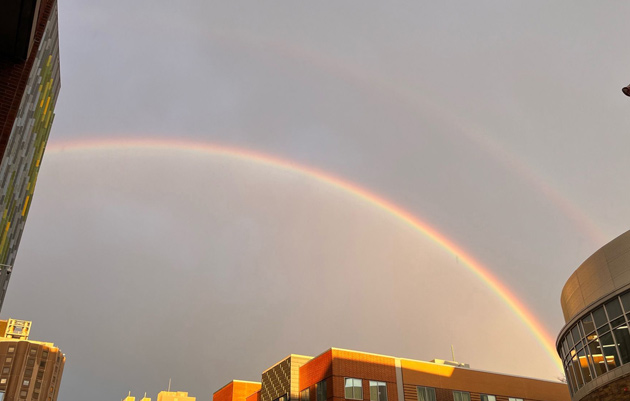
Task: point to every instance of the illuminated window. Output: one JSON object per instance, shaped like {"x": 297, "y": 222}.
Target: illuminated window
{"x": 461, "y": 396}
{"x": 3, "y": 381}
{"x": 488, "y": 397}
{"x": 8, "y": 360}
{"x": 26, "y": 382}
{"x": 378, "y": 391}
{"x": 305, "y": 395}
{"x": 425, "y": 393}
{"x": 321, "y": 390}
{"x": 515, "y": 399}
{"x": 353, "y": 389}
{"x": 11, "y": 350}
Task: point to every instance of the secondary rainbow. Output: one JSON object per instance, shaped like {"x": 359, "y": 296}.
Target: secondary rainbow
{"x": 483, "y": 273}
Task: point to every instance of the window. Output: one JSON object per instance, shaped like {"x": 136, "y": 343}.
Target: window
{"x": 281, "y": 398}
{"x": 461, "y": 396}
{"x": 33, "y": 351}
{"x": 354, "y": 389}
{"x": 378, "y": 391}
{"x": 8, "y": 360}
{"x": 5, "y": 370}
{"x": 11, "y": 350}
{"x": 515, "y": 399}
{"x": 305, "y": 395}
{"x": 26, "y": 382}
{"x": 22, "y": 393}
{"x": 3, "y": 381}
{"x": 425, "y": 393}
{"x": 488, "y": 397}
{"x": 321, "y": 390}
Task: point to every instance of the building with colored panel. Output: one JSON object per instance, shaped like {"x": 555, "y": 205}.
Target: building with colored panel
{"x": 29, "y": 86}
{"x": 236, "y": 390}
{"x": 29, "y": 370}
{"x": 174, "y": 396}
{"x": 338, "y": 375}
{"x": 594, "y": 344}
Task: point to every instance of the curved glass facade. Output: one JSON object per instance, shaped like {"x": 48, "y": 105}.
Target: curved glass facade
{"x": 597, "y": 343}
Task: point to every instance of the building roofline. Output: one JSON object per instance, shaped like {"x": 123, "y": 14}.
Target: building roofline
{"x": 431, "y": 363}
{"x": 232, "y": 381}
{"x": 285, "y": 358}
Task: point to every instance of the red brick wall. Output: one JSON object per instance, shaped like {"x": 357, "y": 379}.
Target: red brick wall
{"x": 613, "y": 391}
{"x": 14, "y": 76}
{"x": 335, "y": 365}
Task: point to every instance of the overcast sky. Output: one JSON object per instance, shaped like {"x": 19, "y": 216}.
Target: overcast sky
{"x": 500, "y": 124}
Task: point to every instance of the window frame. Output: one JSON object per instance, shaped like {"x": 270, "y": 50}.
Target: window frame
{"x": 353, "y": 388}
{"x": 461, "y": 394}
{"x": 428, "y": 393}
{"x": 321, "y": 391}
{"x": 378, "y": 385}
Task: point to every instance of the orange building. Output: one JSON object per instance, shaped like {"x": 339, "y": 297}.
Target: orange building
{"x": 339, "y": 375}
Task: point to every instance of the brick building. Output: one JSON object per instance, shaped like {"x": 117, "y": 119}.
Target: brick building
{"x": 29, "y": 370}
{"x": 29, "y": 85}
{"x": 339, "y": 375}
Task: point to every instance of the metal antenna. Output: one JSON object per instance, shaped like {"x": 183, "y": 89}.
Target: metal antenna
{"x": 169, "y": 384}
{"x": 453, "y": 352}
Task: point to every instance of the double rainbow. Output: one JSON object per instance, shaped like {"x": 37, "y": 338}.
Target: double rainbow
{"x": 482, "y": 272}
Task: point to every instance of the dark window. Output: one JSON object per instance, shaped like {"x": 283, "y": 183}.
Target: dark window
{"x": 614, "y": 309}
{"x": 588, "y": 324}
{"x": 608, "y": 345}
{"x": 577, "y": 371}
{"x": 425, "y": 393}
{"x": 599, "y": 317}
{"x": 488, "y": 397}
{"x": 576, "y": 335}
{"x": 569, "y": 339}
{"x": 625, "y": 301}
{"x": 461, "y": 396}
{"x": 321, "y": 391}
{"x": 623, "y": 342}
{"x": 353, "y": 389}
{"x": 305, "y": 395}
{"x": 378, "y": 391}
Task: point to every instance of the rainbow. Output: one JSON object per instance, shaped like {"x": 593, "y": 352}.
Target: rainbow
{"x": 400, "y": 94}
{"x": 483, "y": 273}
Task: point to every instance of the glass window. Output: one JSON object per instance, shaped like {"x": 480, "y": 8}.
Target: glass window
{"x": 625, "y": 301}
{"x": 488, "y": 397}
{"x": 461, "y": 396}
{"x": 618, "y": 321}
{"x": 577, "y": 371}
{"x": 426, "y": 393}
{"x": 11, "y": 349}
{"x": 378, "y": 391}
{"x": 570, "y": 378}
{"x": 33, "y": 351}
{"x": 26, "y": 382}
{"x": 598, "y": 357}
{"x": 599, "y": 317}
{"x": 622, "y": 336}
{"x": 588, "y": 324}
{"x": 605, "y": 328}
{"x": 576, "y": 335}
{"x": 613, "y": 308}
{"x": 569, "y": 340}
{"x": 610, "y": 352}
{"x": 305, "y": 395}
{"x": 354, "y": 389}
{"x": 515, "y": 399}
{"x": 586, "y": 371}
{"x": 3, "y": 381}
{"x": 321, "y": 390}
{"x": 8, "y": 360}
